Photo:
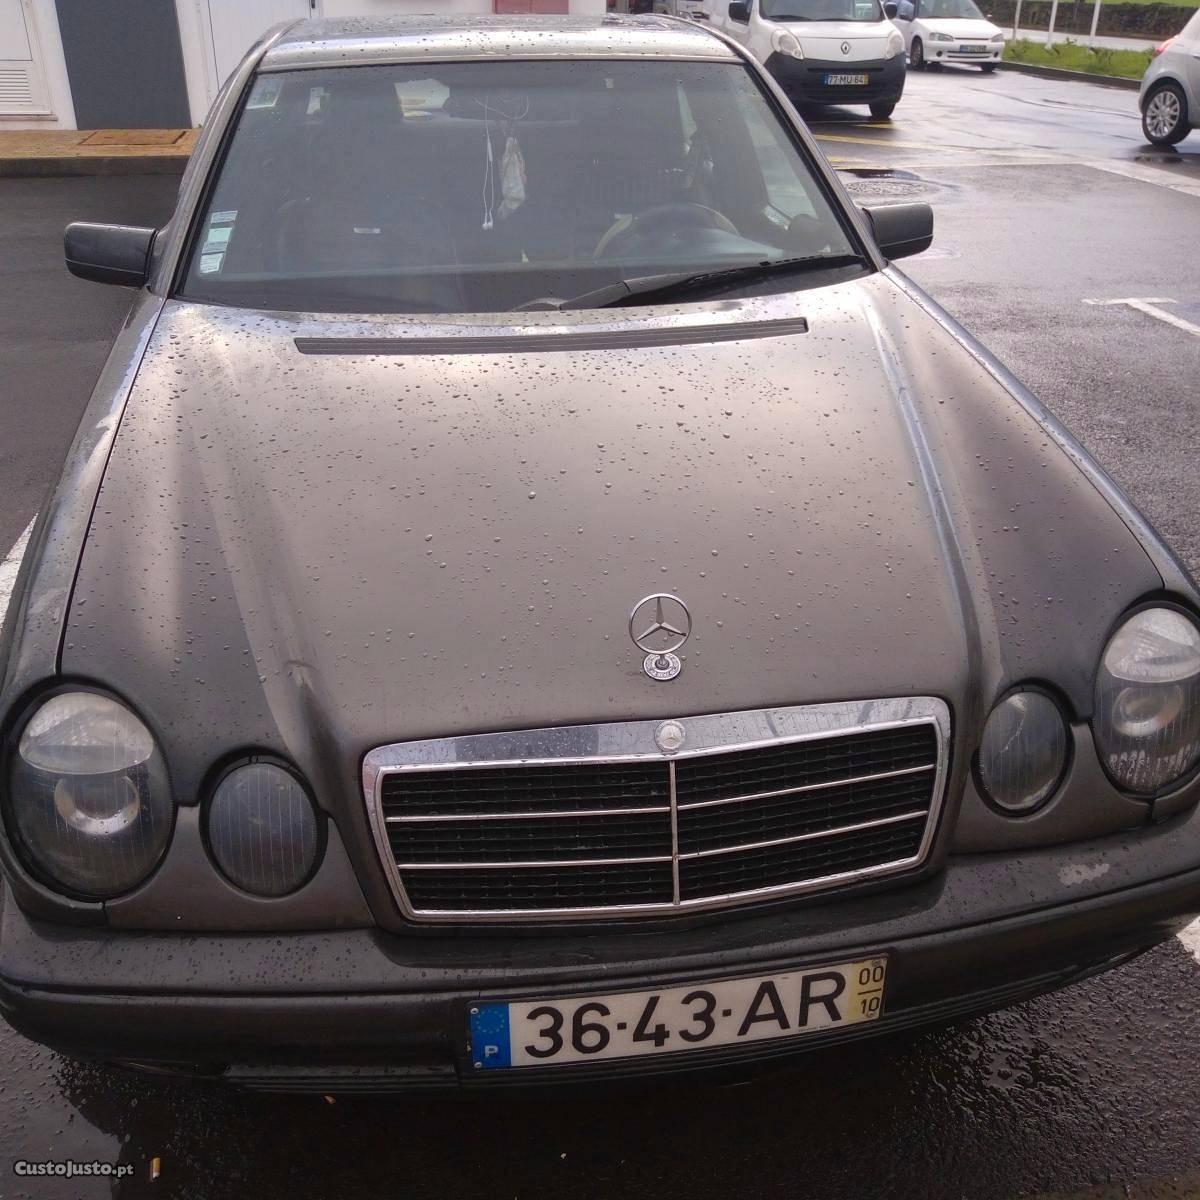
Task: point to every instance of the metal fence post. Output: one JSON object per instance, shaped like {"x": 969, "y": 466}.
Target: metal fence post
{"x": 1017, "y": 22}
{"x": 1053, "y": 17}
{"x": 1095, "y": 22}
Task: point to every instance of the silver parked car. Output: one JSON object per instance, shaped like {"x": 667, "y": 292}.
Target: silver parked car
{"x": 537, "y": 595}
{"x": 1170, "y": 93}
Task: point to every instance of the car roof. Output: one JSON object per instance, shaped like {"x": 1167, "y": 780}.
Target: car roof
{"x": 365, "y": 40}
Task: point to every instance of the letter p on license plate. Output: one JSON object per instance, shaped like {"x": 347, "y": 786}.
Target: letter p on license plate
{"x": 668, "y": 1020}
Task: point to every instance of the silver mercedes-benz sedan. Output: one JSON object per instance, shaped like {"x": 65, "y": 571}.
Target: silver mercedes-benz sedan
{"x": 536, "y": 596}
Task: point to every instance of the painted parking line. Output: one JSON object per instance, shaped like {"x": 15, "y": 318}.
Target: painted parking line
{"x": 10, "y": 566}
{"x": 1151, "y": 307}
{"x": 1147, "y": 174}
{"x": 1190, "y": 937}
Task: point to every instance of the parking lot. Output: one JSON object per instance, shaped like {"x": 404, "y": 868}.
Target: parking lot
{"x": 1073, "y": 252}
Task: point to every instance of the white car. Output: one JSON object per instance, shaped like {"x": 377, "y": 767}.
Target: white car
{"x": 821, "y": 51}
{"x": 942, "y": 31}
{"x": 682, "y": 8}
{"x": 1170, "y": 95}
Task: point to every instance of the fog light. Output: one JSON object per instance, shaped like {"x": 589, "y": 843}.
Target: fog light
{"x": 89, "y": 803}
{"x": 1023, "y": 753}
{"x": 262, "y": 829}
{"x": 1147, "y": 721}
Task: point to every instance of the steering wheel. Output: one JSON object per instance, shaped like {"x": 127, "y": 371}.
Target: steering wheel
{"x": 672, "y": 217}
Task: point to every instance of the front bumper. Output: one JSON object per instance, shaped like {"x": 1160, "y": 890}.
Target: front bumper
{"x": 953, "y": 52}
{"x": 803, "y": 79}
{"x": 363, "y": 1009}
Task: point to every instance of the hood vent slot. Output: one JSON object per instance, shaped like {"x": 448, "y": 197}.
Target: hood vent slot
{"x": 542, "y": 343}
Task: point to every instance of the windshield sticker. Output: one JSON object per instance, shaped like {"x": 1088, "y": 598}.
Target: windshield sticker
{"x": 216, "y": 241}
{"x": 266, "y": 91}
{"x": 217, "y": 238}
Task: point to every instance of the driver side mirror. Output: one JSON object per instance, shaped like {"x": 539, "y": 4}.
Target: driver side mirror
{"x": 109, "y": 253}
{"x": 890, "y": 10}
{"x": 901, "y": 229}
{"x": 739, "y": 11}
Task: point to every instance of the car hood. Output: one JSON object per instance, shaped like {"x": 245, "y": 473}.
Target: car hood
{"x": 823, "y": 39}
{"x": 964, "y": 30}
{"x": 401, "y": 531}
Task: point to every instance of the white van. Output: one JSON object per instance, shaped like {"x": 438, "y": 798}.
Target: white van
{"x": 821, "y": 51}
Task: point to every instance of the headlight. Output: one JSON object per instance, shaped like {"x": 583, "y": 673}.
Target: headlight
{"x": 895, "y": 44}
{"x": 262, "y": 829}
{"x": 89, "y": 802}
{"x": 1147, "y": 721}
{"x": 940, "y": 37}
{"x": 1023, "y": 753}
{"x": 783, "y": 42}
{"x": 997, "y": 37}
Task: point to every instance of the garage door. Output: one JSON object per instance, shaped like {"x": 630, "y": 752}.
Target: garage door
{"x": 235, "y": 25}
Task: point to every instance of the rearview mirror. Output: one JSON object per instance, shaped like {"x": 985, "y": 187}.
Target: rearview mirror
{"x": 901, "y": 229}
{"x": 890, "y": 10}
{"x": 109, "y": 253}
{"x": 739, "y": 10}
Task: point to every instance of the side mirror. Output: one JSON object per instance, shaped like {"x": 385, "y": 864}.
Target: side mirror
{"x": 890, "y": 10}
{"x": 901, "y": 229}
{"x": 739, "y": 11}
{"x": 109, "y": 253}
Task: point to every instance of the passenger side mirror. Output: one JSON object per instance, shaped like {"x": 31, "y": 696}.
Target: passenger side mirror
{"x": 890, "y": 10}
{"x": 739, "y": 11}
{"x": 109, "y": 253}
{"x": 901, "y": 229}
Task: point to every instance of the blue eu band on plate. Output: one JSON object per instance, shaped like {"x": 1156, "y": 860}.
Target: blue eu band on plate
{"x": 691, "y": 1017}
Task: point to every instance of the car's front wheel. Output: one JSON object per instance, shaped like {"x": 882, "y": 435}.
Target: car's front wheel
{"x": 882, "y": 109}
{"x": 916, "y": 55}
{"x": 1165, "y": 119}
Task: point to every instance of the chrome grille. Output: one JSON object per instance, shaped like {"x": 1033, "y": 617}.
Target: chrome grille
{"x": 586, "y": 821}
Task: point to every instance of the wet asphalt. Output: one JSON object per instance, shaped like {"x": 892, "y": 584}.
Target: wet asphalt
{"x": 1045, "y": 197}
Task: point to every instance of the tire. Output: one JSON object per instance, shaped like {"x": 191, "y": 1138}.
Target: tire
{"x": 916, "y": 55}
{"x": 1165, "y": 117}
{"x": 988, "y": 68}
{"x": 881, "y": 110}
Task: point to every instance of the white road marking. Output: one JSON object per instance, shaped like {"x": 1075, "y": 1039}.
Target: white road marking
{"x": 1146, "y": 174}
{"x": 1150, "y": 306}
{"x": 1190, "y": 937}
{"x": 10, "y": 566}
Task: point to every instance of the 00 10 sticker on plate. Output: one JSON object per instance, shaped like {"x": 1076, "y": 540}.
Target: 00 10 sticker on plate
{"x": 539, "y": 1033}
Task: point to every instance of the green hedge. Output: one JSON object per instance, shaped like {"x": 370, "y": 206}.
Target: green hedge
{"x": 1132, "y": 20}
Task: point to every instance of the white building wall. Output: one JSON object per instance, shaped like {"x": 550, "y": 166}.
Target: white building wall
{"x": 202, "y": 73}
{"x": 43, "y": 19}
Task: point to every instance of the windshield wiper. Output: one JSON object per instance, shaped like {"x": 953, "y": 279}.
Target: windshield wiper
{"x": 666, "y": 286}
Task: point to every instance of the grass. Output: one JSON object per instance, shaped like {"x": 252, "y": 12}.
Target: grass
{"x": 1071, "y": 56}
{"x": 1173, "y": 3}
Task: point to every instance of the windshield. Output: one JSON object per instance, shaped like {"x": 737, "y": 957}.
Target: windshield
{"x": 949, "y": 9}
{"x": 822, "y": 10}
{"x": 481, "y": 187}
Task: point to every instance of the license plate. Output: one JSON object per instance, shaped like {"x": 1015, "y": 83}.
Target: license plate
{"x": 973, "y": 49}
{"x": 540, "y": 1033}
{"x": 846, "y": 80}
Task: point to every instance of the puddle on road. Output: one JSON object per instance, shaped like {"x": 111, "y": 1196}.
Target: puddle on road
{"x": 886, "y": 183}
